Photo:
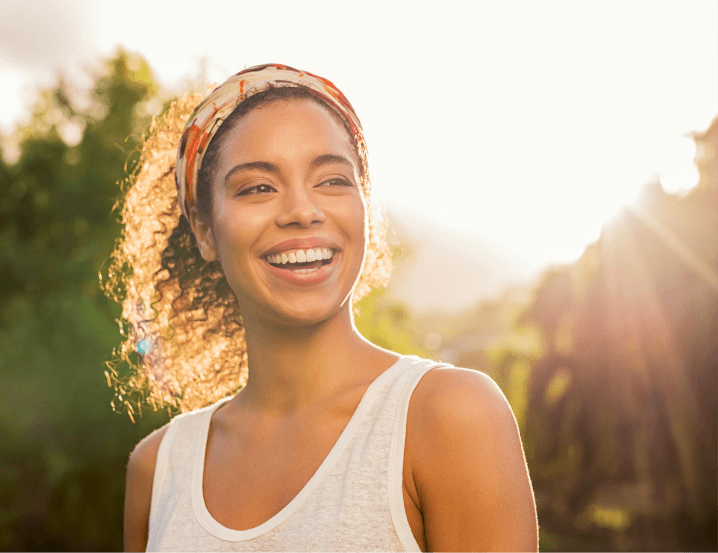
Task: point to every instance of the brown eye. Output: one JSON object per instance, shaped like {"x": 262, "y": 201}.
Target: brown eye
{"x": 258, "y": 189}
{"x": 335, "y": 182}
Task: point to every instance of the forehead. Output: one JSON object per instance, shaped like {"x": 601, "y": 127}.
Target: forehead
{"x": 288, "y": 130}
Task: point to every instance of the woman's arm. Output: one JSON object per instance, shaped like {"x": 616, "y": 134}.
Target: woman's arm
{"x": 468, "y": 466}
{"x": 138, "y": 490}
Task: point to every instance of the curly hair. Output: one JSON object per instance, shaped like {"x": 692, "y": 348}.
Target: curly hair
{"x": 183, "y": 337}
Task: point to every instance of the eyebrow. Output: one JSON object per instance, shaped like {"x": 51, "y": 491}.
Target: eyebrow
{"x": 325, "y": 159}
{"x": 251, "y": 166}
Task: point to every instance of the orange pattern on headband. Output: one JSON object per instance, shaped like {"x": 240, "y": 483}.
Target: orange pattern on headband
{"x": 208, "y": 116}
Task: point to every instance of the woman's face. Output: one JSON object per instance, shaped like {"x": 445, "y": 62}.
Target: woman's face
{"x": 284, "y": 199}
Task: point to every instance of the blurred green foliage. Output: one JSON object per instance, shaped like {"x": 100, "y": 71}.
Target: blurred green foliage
{"x": 388, "y": 324}
{"x": 64, "y": 450}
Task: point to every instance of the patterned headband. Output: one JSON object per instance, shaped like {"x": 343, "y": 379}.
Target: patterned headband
{"x": 209, "y": 115}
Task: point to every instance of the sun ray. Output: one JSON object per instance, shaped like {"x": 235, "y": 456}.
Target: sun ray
{"x": 676, "y": 245}
{"x": 661, "y": 352}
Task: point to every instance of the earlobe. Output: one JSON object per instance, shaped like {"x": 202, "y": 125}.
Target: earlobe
{"x": 203, "y": 233}
{"x": 206, "y": 248}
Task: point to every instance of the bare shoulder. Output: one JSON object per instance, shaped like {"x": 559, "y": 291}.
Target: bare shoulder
{"x": 467, "y": 464}
{"x": 459, "y": 394}
{"x": 144, "y": 457}
{"x": 138, "y": 490}
{"x": 454, "y": 403}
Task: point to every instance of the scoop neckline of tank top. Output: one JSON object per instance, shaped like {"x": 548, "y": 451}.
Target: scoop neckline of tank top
{"x": 211, "y": 525}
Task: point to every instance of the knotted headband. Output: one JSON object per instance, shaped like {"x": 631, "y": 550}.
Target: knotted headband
{"x": 211, "y": 112}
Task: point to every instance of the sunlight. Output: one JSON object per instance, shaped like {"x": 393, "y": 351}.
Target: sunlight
{"x": 701, "y": 268}
{"x": 659, "y": 344}
{"x": 594, "y": 198}
{"x": 676, "y": 168}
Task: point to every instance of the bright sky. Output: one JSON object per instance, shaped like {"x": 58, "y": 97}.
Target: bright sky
{"x": 527, "y": 123}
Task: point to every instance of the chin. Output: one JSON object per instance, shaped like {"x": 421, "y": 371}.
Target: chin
{"x": 310, "y": 313}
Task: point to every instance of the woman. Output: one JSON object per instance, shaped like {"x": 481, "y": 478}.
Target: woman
{"x": 333, "y": 443}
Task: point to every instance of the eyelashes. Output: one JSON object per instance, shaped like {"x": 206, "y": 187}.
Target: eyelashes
{"x": 261, "y": 189}
{"x": 256, "y": 190}
{"x": 337, "y": 181}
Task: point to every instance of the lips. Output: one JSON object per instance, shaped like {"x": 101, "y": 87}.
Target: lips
{"x": 309, "y": 272}
{"x": 302, "y": 260}
{"x": 294, "y": 244}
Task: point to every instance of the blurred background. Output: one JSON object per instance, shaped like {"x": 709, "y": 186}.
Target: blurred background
{"x": 550, "y": 173}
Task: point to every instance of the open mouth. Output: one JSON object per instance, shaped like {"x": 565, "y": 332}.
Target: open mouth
{"x": 301, "y": 261}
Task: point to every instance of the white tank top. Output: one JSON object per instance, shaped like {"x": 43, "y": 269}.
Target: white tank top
{"x": 353, "y": 502}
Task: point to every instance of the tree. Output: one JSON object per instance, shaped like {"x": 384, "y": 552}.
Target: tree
{"x": 621, "y": 426}
{"x": 64, "y": 451}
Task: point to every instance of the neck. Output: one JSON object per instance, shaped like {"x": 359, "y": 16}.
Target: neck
{"x": 295, "y": 366}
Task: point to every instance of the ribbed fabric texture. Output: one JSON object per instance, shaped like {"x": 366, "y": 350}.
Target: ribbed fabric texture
{"x": 354, "y": 502}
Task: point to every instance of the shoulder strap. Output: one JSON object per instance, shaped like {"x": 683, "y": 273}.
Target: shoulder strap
{"x": 396, "y": 455}
{"x": 162, "y": 465}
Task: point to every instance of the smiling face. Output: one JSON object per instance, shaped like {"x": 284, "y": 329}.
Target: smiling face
{"x": 288, "y": 220}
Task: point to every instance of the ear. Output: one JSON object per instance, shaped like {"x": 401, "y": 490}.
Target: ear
{"x": 203, "y": 233}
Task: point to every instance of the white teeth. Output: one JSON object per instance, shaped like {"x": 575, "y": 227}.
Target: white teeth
{"x": 301, "y": 256}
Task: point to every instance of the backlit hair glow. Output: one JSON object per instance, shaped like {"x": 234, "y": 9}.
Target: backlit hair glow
{"x": 183, "y": 341}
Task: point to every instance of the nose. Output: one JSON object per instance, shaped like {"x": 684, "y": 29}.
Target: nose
{"x": 300, "y": 208}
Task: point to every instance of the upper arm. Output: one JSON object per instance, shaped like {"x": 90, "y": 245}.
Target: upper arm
{"x": 468, "y": 465}
{"x": 138, "y": 490}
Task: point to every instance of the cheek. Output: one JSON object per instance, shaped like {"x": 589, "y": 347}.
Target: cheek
{"x": 360, "y": 230}
{"x": 234, "y": 234}
{"x": 364, "y": 216}
{"x": 355, "y": 216}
